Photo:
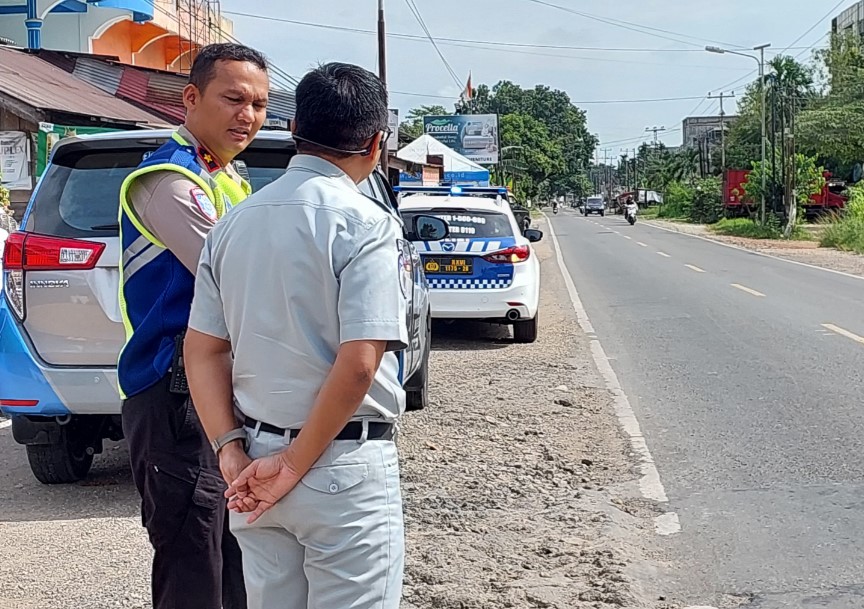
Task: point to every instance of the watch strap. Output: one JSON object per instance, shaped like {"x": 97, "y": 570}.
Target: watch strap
{"x": 232, "y": 436}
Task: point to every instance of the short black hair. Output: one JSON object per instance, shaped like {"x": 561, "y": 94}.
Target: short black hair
{"x": 339, "y": 105}
{"x": 204, "y": 67}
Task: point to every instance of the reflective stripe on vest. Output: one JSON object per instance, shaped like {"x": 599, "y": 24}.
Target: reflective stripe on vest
{"x": 141, "y": 249}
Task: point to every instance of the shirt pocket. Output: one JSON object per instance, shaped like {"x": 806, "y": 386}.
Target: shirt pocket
{"x": 334, "y": 479}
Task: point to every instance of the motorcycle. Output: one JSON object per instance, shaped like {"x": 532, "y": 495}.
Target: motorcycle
{"x": 554, "y": 208}
{"x": 630, "y": 214}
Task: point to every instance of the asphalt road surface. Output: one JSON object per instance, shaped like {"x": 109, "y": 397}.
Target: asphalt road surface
{"x": 746, "y": 375}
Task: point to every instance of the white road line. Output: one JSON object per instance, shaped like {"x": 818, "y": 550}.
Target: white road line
{"x": 842, "y": 332}
{"x": 750, "y": 291}
{"x": 649, "y": 484}
{"x": 6, "y": 423}
{"x": 664, "y": 254}
{"x": 744, "y": 249}
{"x": 642, "y": 244}
{"x": 694, "y": 268}
{"x": 626, "y": 237}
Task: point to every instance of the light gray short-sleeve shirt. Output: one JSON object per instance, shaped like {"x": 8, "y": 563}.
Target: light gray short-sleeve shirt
{"x": 306, "y": 264}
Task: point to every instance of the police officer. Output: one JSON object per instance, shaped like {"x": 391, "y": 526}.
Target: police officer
{"x": 167, "y": 206}
{"x": 302, "y": 284}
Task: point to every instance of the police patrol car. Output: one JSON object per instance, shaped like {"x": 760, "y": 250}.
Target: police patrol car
{"x": 486, "y": 269}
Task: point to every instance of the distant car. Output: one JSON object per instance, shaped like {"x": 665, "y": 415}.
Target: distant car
{"x": 60, "y": 324}
{"x": 487, "y": 268}
{"x": 595, "y": 205}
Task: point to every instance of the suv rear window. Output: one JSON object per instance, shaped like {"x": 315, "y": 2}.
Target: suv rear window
{"x": 466, "y": 223}
{"x": 79, "y": 194}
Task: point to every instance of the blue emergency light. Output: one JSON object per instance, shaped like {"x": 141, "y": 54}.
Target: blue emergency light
{"x": 454, "y": 191}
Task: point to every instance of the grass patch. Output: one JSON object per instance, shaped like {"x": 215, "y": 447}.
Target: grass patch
{"x": 744, "y": 227}
{"x": 846, "y": 235}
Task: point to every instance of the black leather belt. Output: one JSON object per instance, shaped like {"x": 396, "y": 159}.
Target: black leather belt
{"x": 352, "y": 431}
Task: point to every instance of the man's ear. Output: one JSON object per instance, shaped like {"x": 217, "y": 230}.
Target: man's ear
{"x": 191, "y": 96}
{"x": 293, "y": 126}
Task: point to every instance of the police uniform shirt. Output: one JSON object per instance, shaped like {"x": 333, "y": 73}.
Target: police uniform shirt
{"x": 175, "y": 209}
{"x": 306, "y": 264}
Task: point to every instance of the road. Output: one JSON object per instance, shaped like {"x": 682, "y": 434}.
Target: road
{"x": 745, "y": 374}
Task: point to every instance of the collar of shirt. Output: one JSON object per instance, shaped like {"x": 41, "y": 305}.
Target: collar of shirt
{"x": 205, "y": 158}
{"x": 316, "y": 164}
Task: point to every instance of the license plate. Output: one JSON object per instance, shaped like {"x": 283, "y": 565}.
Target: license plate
{"x": 449, "y": 266}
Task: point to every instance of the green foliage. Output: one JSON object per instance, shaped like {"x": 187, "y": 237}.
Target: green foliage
{"x": 808, "y": 182}
{"x": 707, "y": 206}
{"x": 745, "y": 227}
{"x": 848, "y": 233}
{"x": 5, "y": 201}
{"x": 677, "y": 201}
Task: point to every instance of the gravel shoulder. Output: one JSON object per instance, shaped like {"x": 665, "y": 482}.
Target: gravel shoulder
{"x": 807, "y": 252}
{"x": 519, "y": 490}
{"x": 518, "y": 483}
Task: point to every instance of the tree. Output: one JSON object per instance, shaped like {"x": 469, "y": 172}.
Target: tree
{"x": 808, "y": 182}
{"x": 412, "y": 126}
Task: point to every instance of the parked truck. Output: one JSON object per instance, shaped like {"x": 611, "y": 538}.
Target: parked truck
{"x": 737, "y": 203}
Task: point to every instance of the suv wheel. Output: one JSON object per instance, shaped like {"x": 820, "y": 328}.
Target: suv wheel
{"x": 66, "y": 460}
{"x": 526, "y": 331}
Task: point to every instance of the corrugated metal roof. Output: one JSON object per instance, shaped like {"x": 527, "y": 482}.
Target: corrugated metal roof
{"x": 135, "y": 86}
{"x": 44, "y": 86}
{"x": 100, "y": 74}
{"x": 282, "y": 104}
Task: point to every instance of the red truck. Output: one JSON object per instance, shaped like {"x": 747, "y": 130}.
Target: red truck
{"x": 737, "y": 203}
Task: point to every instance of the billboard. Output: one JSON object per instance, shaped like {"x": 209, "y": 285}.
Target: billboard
{"x": 49, "y": 134}
{"x": 474, "y": 136}
{"x": 15, "y": 160}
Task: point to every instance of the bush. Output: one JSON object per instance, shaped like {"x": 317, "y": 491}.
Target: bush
{"x": 848, "y": 233}
{"x": 707, "y": 207}
{"x": 677, "y": 201}
{"x": 745, "y": 227}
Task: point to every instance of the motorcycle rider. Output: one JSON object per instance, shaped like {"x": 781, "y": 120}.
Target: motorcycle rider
{"x": 630, "y": 209}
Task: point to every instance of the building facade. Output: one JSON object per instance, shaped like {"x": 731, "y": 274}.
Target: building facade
{"x": 698, "y": 129}
{"x": 159, "y": 34}
{"x": 850, "y": 20}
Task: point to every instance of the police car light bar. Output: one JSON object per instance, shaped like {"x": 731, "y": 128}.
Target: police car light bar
{"x": 452, "y": 190}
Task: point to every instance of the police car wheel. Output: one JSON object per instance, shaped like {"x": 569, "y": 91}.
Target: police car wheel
{"x": 526, "y": 331}
{"x": 417, "y": 394}
{"x": 65, "y": 461}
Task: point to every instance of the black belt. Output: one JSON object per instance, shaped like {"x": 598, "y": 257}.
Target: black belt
{"x": 352, "y": 431}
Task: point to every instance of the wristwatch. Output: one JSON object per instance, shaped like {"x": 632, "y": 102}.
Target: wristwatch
{"x": 232, "y": 436}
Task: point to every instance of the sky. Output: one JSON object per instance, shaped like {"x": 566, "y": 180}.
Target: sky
{"x": 671, "y": 34}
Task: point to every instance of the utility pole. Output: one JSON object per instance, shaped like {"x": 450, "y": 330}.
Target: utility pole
{"x": 607, "y": 167}
{"x": 721, "y": 97}
{"x": 656, "y": 130}
{"x": 382, "y": 74}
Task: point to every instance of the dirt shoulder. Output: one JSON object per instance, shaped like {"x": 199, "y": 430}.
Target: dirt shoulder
{"x": 807, "y": 252}
{"x": 517, "y": 480}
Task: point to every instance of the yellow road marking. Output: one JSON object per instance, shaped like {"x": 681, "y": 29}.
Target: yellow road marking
{"x": 748, "y": 290}
{"x": 694, "y": 268}
{"x": 664, "y": 254}
{"x": 842, "y": 332}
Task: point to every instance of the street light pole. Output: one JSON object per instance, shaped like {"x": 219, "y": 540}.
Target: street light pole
{"x": 763, "y": 94}
{"x": 382, "y": 74}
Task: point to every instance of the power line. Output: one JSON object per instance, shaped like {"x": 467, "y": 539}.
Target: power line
{"x": 635, "y": 27}
{"x": 290, "y": 80}
{"x": 815, "y": 25}
{"x": 582, "y": 102}
{"x": 416, "y": 12}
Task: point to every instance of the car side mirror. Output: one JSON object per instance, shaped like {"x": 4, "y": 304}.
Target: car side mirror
{"x": 429, "y": 228}
{"x": 533, "y": 235}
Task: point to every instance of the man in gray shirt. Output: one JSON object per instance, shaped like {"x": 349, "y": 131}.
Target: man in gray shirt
{"x": 298, "y": 314}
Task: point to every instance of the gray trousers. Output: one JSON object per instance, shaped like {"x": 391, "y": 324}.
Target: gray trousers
{"x": 336, "y": 540}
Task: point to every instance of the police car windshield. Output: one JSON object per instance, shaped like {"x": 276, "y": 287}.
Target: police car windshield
{"x": 466, "y": 223}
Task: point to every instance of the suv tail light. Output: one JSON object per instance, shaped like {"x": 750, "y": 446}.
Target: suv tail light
{"x": 31, "y": 252}
{"x": 512, "y": 255}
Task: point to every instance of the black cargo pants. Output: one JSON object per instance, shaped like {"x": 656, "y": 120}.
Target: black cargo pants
{"x": 197, "y": 562}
